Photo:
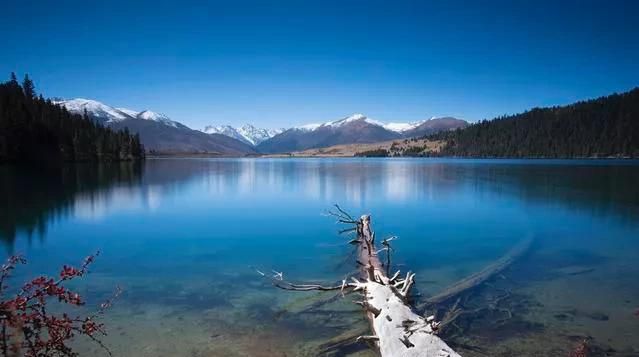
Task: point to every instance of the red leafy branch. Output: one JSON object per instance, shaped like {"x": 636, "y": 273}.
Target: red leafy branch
{"x": 581, "y": 350}
{"x": 28, "y": 328}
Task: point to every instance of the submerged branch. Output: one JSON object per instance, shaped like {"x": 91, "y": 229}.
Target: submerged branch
{"x": 482, "y": 276}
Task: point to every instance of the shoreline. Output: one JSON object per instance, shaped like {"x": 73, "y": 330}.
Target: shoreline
{"x": 329, "y": 156}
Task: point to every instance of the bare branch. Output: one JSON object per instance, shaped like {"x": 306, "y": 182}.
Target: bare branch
{"x": 348, "y": 230}
{"x": 342, "y": 216}
{"x": 344, "y": 212}
{"x": 278, "y": 281}
{"x": 309, "y": 287}
{"x": 278, "y": 275}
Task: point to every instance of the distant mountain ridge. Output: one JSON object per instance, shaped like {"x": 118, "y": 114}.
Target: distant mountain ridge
{"x": 158, "y": 132}
{"x": 353, "y": 129}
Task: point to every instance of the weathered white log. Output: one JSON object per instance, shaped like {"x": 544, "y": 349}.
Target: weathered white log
{"x": 399, "y": 330}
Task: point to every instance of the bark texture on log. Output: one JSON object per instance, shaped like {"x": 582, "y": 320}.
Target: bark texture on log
{"x": 398, "y": 331}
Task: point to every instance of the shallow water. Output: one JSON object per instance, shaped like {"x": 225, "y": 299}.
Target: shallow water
{"x": 183, "y": 236}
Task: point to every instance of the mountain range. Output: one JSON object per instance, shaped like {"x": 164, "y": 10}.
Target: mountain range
{"x": 161, "y": 134}
{"x": 354, "y": 129}
{"x": 158, "y": 132}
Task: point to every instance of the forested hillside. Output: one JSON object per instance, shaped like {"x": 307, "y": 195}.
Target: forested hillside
{"x": 35, "y": 129}
{"x": 603, "y": 127}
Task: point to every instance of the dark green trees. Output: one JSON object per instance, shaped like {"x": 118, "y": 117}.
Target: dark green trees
{"x": 603, "y": 127}
{"x": 28, "y": 87}
{"x": 34, "y": 129}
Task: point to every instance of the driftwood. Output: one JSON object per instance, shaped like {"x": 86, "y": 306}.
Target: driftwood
{"x": 480, "y": 277}
{"x": 397, "y": 330}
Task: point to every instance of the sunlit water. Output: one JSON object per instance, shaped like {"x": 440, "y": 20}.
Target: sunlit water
{"x": 183, "y": 238}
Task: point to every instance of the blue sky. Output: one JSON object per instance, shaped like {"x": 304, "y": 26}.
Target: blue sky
{"x": 280, "y": 63}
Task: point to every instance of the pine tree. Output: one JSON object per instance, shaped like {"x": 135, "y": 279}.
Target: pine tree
{"x": 28, "y": 87}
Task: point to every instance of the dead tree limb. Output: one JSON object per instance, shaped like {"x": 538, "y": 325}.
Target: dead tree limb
{"x": 397, "y": 330}
{"x": 400, "y": 331}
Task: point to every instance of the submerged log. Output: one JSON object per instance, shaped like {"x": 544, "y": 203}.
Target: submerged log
{"x": 480, "y": 277}
{"x": 397, "y": 329}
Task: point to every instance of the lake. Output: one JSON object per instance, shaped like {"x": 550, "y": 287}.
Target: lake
{"x": 184, "y": 237}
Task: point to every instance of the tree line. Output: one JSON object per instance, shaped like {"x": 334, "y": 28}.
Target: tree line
{"x": 602, "y": 127}
{"x": 35, "y": 129}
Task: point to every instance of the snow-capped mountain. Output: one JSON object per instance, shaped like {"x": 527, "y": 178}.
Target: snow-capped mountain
{"x": 350, "y": 119}
{"x": 246, "y": 133}
{"x": 396, "y": 127}
{"x": 257, "y": 135}
{"x": 107, "y": 114}
{"x": 162, "y": 134}
{"x": 355, "y": 128}
{"x": 158, "y": 132}
{"x": 96, "y": 110}
{"x": 340, "y": 122}
{"x": 224, "y": 130}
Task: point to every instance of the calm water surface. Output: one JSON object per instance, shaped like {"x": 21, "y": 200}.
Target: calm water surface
{"x": 182, "y": 236}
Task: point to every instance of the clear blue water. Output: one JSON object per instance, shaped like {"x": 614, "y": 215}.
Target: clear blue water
{"x": 182, "y": 236}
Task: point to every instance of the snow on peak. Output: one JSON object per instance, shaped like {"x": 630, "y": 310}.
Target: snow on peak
{"x": 356, "y": 116}
{"x": 129, "y": 112}
{"x": 273, "y": 132}
{"x": 254, "y": 135}
{"x": 107, "y": 114}
{"x": 309, "y": 127}
{"x": 402, "y": 127}
{"x": 351, "y": 118}
{"x": 247, "y": 133}
{"x": 210, "y": 129}
{"x": 158, "y": 117}
{"x": 337, "y": 123}
{"x": 149, "y": 115}
{"x": 398, "y": 127}
{"x": 93, "y": 108}
{"x": 224, "y": 130}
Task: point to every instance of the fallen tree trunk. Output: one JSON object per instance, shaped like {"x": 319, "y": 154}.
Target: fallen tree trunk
{"x": 397, "y": 330}
{"x": 480, "y": 277}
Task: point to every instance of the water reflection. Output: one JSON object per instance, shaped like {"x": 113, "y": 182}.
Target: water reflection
{"x": 34, "y": 199}
{"x": 601, "y": 188}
